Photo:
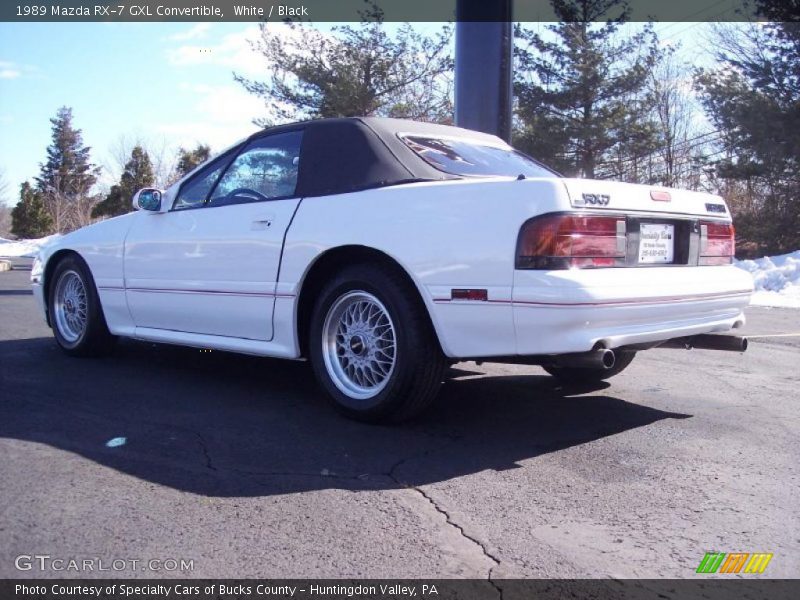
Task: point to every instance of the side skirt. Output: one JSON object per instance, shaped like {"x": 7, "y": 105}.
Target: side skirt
{"x": 215, "y": 342}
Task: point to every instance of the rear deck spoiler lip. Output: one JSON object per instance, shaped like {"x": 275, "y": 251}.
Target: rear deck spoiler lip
{"x": 638, "y": 212}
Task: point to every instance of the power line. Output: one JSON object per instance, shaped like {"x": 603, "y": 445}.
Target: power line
{"x": 681, "y": 146}
{"x": 683, "y": 168}
{"x": 689, "y": 17}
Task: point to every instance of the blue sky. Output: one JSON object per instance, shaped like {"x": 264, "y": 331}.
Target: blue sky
{"x": 168, "y": 84}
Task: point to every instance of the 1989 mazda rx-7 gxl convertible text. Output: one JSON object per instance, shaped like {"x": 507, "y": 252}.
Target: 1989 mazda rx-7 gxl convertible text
{"x": 383, "y": 250}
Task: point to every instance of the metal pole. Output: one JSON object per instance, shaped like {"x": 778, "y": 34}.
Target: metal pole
{"x": 484, "y": 43}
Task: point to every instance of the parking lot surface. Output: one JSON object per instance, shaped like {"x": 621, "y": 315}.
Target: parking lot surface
{"x": 234, "y": 463}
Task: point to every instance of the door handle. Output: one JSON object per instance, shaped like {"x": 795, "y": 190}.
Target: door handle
{"x": 261, "y": 223}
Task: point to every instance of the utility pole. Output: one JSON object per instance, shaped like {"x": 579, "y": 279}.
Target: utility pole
{"x": 484, "y": 44}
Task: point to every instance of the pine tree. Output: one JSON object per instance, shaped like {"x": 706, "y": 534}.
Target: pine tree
{"x": 188, "y": 160}
{"x": 582, "y": 91}
{"x": 753, "y": 100}
{"x": 29, "y": 218}
{"x": 138, "y": 174}
{"x": 66, "y": 178}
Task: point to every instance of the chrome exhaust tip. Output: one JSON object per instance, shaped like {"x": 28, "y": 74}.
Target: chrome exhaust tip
{"x": 608, "y": 358}
{"x": 602, "y": 358}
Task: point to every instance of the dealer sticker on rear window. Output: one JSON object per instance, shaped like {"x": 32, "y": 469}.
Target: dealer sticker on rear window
{"x": 656, "y": 243}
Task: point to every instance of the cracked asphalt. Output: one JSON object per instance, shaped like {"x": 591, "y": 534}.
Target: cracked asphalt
{"x": 233, "y": 462}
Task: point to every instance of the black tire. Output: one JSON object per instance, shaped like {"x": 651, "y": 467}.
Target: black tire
{"x": 584, "y": 375}
{"x": 418, "y": 362}
{"x": 94, "y": 338}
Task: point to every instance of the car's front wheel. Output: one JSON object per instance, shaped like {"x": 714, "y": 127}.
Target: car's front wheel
{"x": 372, "y": 346}
{"x": 75, "y": 312}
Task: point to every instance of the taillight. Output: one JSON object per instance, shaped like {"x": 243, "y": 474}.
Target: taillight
{"x": 717, "y": 243}
{"x": 571, "y": 241}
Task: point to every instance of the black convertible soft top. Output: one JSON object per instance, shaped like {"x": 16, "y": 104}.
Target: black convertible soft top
{"x": 350, "y": 154}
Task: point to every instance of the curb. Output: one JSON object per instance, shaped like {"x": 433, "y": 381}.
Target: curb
{"x": 5, "y": 266}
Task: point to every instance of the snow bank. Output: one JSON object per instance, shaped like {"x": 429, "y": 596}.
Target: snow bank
{"x": 776, "y": 279}
{"x": 23, "y": 248}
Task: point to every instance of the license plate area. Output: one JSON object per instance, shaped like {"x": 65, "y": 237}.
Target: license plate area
{"x": 654, "y": 241}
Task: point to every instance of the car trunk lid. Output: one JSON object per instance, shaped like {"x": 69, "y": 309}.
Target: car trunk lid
{"x": 629, "y": 197}
{"x": 626, "y": 225}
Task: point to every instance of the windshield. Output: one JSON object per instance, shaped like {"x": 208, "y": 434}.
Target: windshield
{"x": 461, "y": 156}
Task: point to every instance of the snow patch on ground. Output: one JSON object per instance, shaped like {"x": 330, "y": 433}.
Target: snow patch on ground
{"x": 776, "y": 279}
{"x": 24, "y": 248}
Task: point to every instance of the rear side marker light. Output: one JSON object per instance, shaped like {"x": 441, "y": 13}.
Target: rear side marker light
{"x": 717, "y": 243}
{"x": 469, "y": 294}
{"x": 564, "y": 241}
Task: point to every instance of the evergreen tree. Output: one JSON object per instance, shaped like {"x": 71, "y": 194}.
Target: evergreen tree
{"x": 359, "y": 70}
{"x": 29, "y": 218}
{"x": 188, "y": 160}
{"x": 138, "y": 174}
{"x": 66, "y": 178}
{"x": 753, "y": 100}
{"x": 582, "y": 90}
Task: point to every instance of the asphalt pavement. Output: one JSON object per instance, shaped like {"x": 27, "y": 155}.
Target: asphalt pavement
{"x": 235, "y": 464}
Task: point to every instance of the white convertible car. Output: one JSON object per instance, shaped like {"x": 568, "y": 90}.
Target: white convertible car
{"x": 384, "y": 250}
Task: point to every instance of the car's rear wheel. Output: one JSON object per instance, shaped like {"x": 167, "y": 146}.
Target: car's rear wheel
{"x": 372, "y": 346}
{"x": 75, "y": 312}
{"x": 591, "y": 375}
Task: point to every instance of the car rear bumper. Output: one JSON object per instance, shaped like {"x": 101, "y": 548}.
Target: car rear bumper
{"x": 559, "y": 312}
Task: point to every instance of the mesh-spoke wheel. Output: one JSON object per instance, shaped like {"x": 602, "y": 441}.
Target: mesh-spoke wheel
{"x": 70, "y": 306}
{"x": 359, "y": 345}
{"x": 74, "y": 310}
{"x": 372, "y": 345}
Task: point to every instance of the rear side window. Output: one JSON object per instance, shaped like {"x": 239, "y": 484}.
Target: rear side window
{"x": 462, "y": 156}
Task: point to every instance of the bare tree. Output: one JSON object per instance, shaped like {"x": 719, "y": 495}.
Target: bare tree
{"x": 68, "y": 211}
{"x": 163, "y": 157}
{"x": 671, "y": 85}
{"x": 58, "y": 205}
{"x": 5, "y": 221}
{"x": 5, "y": 210}
{"x": 81, "y": 211}
{"x": 679, "y": 159}
{"x": 4, "y": 186}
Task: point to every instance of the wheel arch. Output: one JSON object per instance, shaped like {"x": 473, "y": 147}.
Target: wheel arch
{"x": 47, "y": 275}
{"x": 334, "y": 259}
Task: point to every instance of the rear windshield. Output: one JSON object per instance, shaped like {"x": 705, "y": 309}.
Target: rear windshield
{"x": 472, "y": 158}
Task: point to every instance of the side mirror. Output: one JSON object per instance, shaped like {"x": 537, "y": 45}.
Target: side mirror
{"x": 147, "y": 199}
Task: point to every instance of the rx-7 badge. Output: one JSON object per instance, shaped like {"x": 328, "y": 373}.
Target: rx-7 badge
{"x": 596, "y": 199}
